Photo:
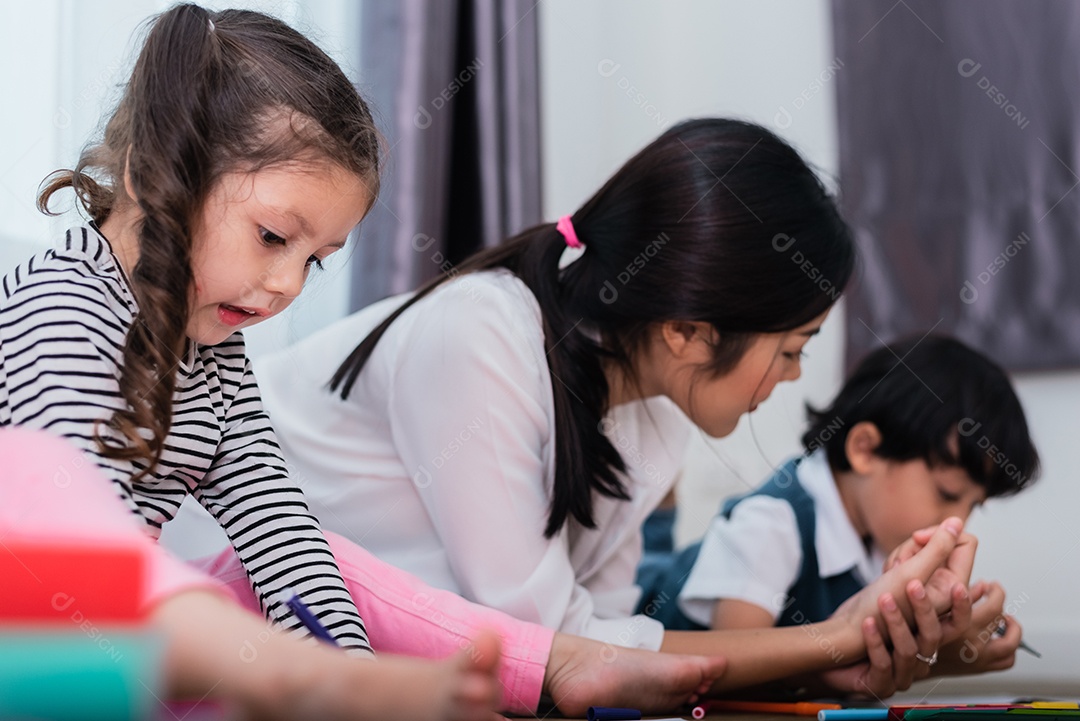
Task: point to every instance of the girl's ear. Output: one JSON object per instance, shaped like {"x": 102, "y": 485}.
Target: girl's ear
{"x": 686, "y": 338}
{"x": 860, "y": 446}
{"x": 127, "y": 176}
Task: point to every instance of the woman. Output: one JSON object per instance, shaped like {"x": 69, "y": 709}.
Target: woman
{"x": 503, "y": 432}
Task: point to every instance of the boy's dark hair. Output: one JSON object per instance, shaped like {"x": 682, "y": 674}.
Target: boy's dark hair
{"x": 936, "y": 399}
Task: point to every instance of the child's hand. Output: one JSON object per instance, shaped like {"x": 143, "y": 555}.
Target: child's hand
{"x": 909, "y": 548}
{"x": 980, "y": 649}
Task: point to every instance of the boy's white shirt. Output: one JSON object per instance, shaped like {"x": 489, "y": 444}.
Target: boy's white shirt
{"x": 756, "y": 555}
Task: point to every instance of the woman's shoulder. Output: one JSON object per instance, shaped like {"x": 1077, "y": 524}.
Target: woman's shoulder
{"x": 474, "y": 313}
{"x": 469, "y": 306}
{"x": 486, "y": 293}
{"x": 469, "y": 315}
{"x": 654, "y": 417}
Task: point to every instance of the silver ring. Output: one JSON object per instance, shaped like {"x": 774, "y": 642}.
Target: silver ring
{"x": 928, "y": 660}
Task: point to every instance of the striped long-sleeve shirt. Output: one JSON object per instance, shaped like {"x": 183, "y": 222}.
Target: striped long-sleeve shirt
{"x": 64, "y": 316}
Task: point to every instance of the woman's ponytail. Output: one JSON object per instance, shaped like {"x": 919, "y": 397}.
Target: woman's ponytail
{"x": 585, "y": 459}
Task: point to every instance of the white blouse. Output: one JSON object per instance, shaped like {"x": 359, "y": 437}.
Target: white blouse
{"x": 441, "y": 461}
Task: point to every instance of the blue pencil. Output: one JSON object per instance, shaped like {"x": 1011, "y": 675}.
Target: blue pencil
{"x": 308, "y": 618}
{"x": 854, "y": 714}
{"x": 1023, "y": 646}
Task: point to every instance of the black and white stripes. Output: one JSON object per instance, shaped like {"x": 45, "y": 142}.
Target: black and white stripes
{"x": 63, "y": 318}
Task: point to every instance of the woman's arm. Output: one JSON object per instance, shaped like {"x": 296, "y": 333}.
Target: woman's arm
{"x": 731, "y": 614}
{"x": 760, "y": 655}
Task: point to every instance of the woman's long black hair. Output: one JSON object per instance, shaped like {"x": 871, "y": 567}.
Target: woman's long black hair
{"x": 717, "y": 221}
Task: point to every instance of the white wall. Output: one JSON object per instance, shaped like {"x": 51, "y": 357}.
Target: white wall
{"x": 616, "y": 73}
{"x": 63, "y": 64}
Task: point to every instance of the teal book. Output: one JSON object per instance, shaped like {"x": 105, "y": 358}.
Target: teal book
{"x": 81, "y": 674}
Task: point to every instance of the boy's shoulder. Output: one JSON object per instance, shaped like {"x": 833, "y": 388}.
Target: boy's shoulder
{"x": 782, "y": 484}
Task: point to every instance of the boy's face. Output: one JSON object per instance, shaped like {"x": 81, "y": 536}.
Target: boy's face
{"x": 898, "y": 498}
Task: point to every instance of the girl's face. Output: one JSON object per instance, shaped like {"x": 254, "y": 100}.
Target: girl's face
{"x": 261, "y": 234}
{"x": 716, "y": 403}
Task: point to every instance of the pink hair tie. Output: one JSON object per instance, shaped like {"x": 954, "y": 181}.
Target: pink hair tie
{"x": 566, "y": 227}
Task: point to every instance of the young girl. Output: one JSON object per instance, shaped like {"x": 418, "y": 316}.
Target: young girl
{"x": 240, "y": 157}
{"x": 504, "y": 433}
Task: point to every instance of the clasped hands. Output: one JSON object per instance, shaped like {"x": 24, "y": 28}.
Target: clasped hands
{"x": 923, "y": 616}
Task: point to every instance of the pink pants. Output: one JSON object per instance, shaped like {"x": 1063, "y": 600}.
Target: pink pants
{"x": 405, "y": 616}
{"x": 51, "y": 491}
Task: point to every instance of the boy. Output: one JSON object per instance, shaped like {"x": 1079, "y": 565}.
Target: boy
{"x": 903, "y": 446}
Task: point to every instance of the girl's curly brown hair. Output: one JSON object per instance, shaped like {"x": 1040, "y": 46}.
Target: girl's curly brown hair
{"x": 211, "y": 93}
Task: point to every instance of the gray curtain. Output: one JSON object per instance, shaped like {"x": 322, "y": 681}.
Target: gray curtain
{"x": 959, "y": 162}
{"x": 455, "y": 85}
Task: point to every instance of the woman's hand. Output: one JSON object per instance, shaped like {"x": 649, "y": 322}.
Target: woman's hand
{"x": 885, "y": 672}
{"x": 926, "y": 590}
